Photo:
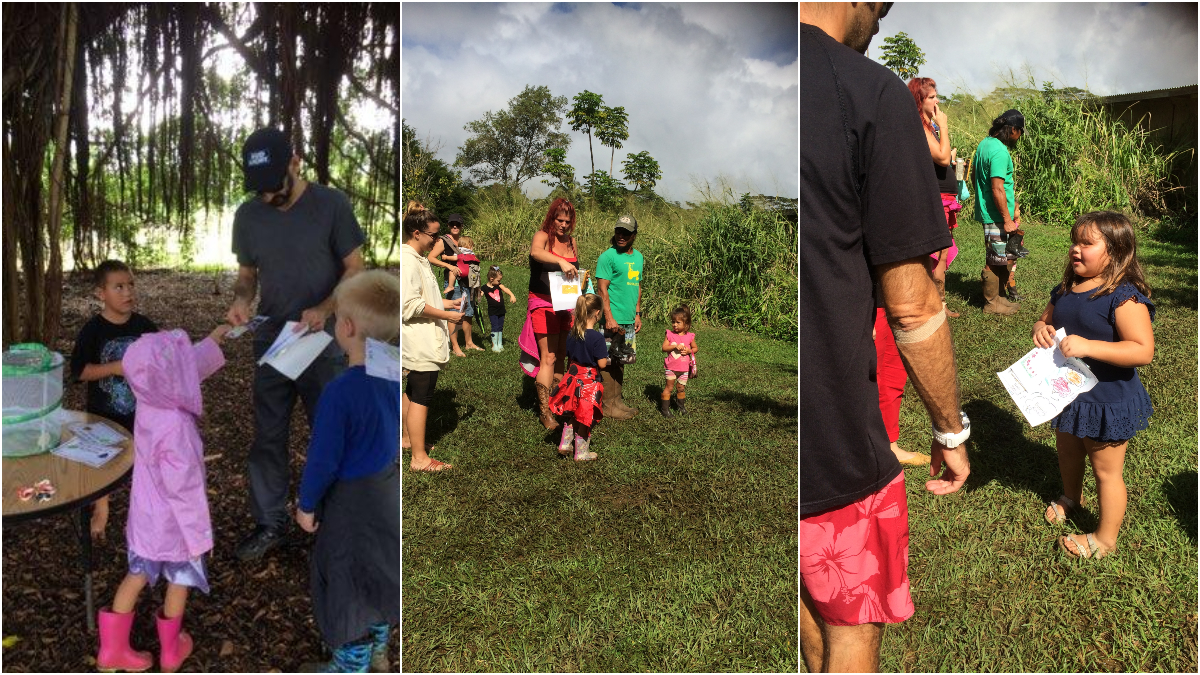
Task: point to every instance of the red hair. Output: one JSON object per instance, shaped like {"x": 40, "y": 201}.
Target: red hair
{"x": 560, "y": 204}
{"x": 920, "y": 88}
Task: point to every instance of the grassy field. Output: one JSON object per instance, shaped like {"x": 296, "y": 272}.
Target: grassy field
{"x": 992, "y": 591}
{"x": 674, "y": 551}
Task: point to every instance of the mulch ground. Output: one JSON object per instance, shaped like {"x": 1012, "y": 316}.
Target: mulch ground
{"x": 259, "y": 615}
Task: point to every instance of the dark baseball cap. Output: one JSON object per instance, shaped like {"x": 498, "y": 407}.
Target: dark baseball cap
{"x": 626, "y": 222}
{"x": 1014, "y": 118}
{"x": 454, "y": 218}
{"x": 265, "y": 157}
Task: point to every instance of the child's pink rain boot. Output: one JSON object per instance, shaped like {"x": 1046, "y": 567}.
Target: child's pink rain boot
{"x": 568, "y": 435}
{"x": 115, "y": 653}
{"x": 175, "y": 643}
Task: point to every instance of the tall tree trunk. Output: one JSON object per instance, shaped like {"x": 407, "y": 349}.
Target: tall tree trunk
{"x": 54, "y": 276}
{"x": 12, "y": 308}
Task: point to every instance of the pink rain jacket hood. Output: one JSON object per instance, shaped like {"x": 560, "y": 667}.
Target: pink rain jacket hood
{"x": 168, "y": 506}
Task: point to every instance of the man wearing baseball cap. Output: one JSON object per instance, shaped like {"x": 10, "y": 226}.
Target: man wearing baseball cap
{"x": 619, "y": 274}
{"x": 294, "y": 241}
{"x": 996, "y": 207}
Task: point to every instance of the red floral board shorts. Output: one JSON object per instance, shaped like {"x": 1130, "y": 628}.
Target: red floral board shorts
{"x": 854, "y": 559}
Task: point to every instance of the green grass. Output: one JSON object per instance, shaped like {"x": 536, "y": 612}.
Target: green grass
{"x": 675, "y": 551}
{"x": 992, "y": 591}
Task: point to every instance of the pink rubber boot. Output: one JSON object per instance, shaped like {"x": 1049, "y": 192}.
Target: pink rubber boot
{"x": 115, "y": 653}
{"x": 175, "y": 643}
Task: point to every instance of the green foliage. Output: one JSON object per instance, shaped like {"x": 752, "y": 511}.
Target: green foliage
{"x": 606, "y": 191}
{"x": 563, "y": 174}
{"x": 902, "y": 56}
{"x": 585, "y": 116}
{"x": 510, "y": 146}
{"x": 613, "y": 129}
{"x": 1073, "y": 157}
{"x": 641, "y": 170}
{"x": 430, "y": 180}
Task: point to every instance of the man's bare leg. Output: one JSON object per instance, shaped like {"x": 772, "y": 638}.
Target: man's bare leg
{"x": 812, "y": 642}
{"x": 853, "y": 649}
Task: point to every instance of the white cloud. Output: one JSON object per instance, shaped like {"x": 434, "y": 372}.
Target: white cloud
{"x": 703, "y": 98}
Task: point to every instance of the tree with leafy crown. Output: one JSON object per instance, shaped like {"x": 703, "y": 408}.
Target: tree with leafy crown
{"x": 902, "y": 56}
{"x": 510, "y": 146}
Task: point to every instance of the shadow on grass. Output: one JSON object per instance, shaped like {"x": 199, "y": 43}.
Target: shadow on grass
{"x": 965, "y": 286}
{"x": 755, "y": 403}
{"x": 445, "y": 414}
{"x": 1001, "y": 452}
{"x": 1180, "y": 490}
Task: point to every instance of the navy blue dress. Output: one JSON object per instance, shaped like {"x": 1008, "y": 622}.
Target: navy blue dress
{"x": 1118, "y": 406}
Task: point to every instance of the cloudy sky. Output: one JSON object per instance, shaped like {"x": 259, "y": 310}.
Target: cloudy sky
{"x": 1108, "y": 48}
{"x": 710, "y": 89}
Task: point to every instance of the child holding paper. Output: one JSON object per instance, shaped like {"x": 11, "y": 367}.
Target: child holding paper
{"x": 350, "y": 493}
{"x": 1103, "y": 304}
{"x": 169, "y": 529}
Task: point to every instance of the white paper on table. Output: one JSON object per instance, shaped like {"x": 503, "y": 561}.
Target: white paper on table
{"x": 1043, "y": 381}
{"x": 85, "y": 452}
{"x": 97, "y": 433}
{"x": 294, "y": 351}
{"x": 383, "y": 360}
{"x": 564, "y": 293}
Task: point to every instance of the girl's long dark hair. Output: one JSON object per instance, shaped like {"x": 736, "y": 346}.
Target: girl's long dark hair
{"x": 1117, "y": 232}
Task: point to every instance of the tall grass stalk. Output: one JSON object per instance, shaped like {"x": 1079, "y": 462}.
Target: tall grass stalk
{"x": 1074, "y": 157}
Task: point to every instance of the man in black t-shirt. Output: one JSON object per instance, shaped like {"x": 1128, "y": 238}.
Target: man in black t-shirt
{"x": 295, "y": 240}
{"x": 869, "y": 214}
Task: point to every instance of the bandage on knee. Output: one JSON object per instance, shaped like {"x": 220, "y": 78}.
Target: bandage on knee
{"x": 921, "y": 332}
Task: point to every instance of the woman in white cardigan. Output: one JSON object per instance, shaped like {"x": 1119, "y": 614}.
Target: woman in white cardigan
{"x": 426, "y": 340}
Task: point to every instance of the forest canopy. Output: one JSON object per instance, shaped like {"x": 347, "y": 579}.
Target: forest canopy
{"x": 123, "y": 117}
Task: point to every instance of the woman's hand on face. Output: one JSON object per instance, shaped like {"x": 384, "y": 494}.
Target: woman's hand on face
{"x": 568, "y": 270}
{"x": 939, "y": 116}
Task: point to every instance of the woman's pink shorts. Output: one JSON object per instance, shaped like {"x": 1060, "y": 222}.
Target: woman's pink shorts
{"x": 854, "y": 559}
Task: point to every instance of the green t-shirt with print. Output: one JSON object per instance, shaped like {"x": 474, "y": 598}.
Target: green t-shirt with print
{"x": 992, "y": 160}
{"x": 624, "y": 273}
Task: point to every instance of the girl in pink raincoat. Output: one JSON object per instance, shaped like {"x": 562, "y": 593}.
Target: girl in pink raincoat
{"x": 169, "y": 529}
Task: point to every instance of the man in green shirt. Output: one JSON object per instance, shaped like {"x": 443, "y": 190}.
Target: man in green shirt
{"x": 996, "y": 207}
{"x": 619, "y": 275}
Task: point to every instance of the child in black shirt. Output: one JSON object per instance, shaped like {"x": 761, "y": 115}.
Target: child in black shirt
{"x": 496, "y": 305}
{"x": 96, "y": 359}
{"x": 580, "y": 392}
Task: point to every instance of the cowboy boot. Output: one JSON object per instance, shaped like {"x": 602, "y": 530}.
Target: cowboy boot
{"x": 544, "y": 415}
{"x": 612, "y": 397}
{"x": 993, "y": 303}
{"x": 941, "y": 287}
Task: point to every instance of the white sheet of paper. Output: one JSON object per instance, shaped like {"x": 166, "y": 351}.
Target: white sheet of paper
{"x": 383, "y": 360}
{"x": 97, "y": 433}
{"x": 563, "y": 293}
{"x": 293, "y": 352}
{"x": 92, "y": 454}
{"x": 1043, "y": 381}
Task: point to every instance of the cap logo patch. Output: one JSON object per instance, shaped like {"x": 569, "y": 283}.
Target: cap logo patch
{"x": 258, "y": 158}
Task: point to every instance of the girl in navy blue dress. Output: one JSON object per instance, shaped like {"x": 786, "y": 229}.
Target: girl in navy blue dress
{"x": 1104, "y": 305}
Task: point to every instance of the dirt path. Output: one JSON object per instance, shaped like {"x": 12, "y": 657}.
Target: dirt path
{"x": 259, "y": 616}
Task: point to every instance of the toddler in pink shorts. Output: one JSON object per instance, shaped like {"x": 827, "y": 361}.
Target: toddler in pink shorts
{"x": 680, "y": 362}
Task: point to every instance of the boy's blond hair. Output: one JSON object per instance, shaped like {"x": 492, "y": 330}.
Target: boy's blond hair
{"x": 372, "y": 300}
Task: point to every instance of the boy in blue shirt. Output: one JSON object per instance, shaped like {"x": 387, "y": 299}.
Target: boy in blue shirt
{"x": 350, "y": 492}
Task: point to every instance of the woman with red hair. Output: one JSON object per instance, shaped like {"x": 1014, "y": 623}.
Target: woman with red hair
{"x": 543, "y": 339}
{"x": 937, "y": 134}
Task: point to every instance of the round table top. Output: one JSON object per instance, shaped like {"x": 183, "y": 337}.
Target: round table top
{"x": 76, "y": 484}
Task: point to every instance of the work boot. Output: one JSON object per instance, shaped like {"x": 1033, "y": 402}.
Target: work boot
{"x": 260, "y": 541}
{"x": 115, "y": 652}
{"x": 664, "y": 407}
{"x": 941, "y": 287}
{"x": 175, "y": 644}
{"x": 993, "y": 303}
{"x": 619, "y": 403}
{"x": 611, "y": 406}
{"x": 544, "y": 415}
